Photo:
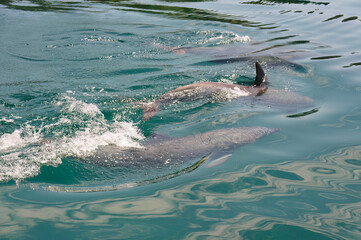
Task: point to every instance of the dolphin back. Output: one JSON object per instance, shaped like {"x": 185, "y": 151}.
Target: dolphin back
{"x": 168, "y": 150}
{"x": 233, "y": 137}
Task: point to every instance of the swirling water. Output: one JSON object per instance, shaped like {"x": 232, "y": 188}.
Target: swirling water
{"x": 72, "y": 73}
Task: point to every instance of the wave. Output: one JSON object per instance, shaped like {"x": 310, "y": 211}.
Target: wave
{"x": 79, "y": 130}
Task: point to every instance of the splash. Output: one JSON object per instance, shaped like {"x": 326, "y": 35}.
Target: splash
{"x": 78, "y": 131}
{"x": 5, "y": 120}
{"x": 227, "y": 94}
{"x": 19, "y": 138}
{"x": 222, "y": 37}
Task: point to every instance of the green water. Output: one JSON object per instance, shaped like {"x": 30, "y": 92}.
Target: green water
{"x": 72, "y": 75}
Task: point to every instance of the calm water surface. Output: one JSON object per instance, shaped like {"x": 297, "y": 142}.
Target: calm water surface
{"x": 73, "y": 72}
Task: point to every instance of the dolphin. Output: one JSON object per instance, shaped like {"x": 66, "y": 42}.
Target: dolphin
{"x": 160, "y": 151}
{"x": 258, "y": 92}
{"x": 253, "y": 52}
{"x": 269, "y": 59}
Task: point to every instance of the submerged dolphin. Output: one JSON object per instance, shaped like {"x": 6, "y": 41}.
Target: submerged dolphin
{"x": 250, "y": 53}
{"x": 160, "y": 151}
{"x": 225, "y": 91}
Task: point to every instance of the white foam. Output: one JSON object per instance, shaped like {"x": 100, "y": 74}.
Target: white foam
{"x": 25, "y": 150}
{"x": 245, "y": 38}
{"x": 97, "y": 39}
{"x": 237, "y": 92}
{"x": 6, "y": 120}
{"x": 19, "y": 138}
{"x": 225, "y": 40}
{"x": 122, "y": 134}
{"x": 229, "y": 78}
{"x": 224, "y": 37}
{"x": 70, "y": 105}
{"x": 11, "y": 140}
{"x": 227, "y": 94}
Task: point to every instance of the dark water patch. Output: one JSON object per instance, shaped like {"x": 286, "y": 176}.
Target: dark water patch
{"x": 132, "y": 71}
{"x": 23, "y": 97}
{"x": 353, "y": 64}
{"x": 144, "y": 86}
{"x": 69, "y": 172}
{"x": 273, "y": 2}
{"x": 355, "y": 162}
{"x": 7, "y": 104}
{"x": 283, "y": 231}
{"x": 285, "y": 11}
{"x": 350, "y": 19}
{"x": 298, "y": 42}
{"x": 244, "y": 80}
{"x": 269, "y": 48}
{"x": 84, "y": 59}
{"x": 125, "y": 34}
{"x": 349, "y": 227}
{"x": 37, "y": 98}
{"x": 303, "y": 114}
{"x": 108, "y": 114}
{"x": 42, "y": 6}
{"x": 269, "y": 27}
{"x": 333, "y": 18}
{"x": 28, "y": 58}
{"x": 326, "y": 57}
{"x": 238, "y": 185}
{"x": 354, "y": 187}
{"x": 284, "y": 175}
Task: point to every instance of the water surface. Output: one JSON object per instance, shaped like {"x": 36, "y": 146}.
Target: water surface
{"x": 73, "y": 71}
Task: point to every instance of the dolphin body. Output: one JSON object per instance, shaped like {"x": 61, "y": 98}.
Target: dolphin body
{"x": 160, "y": 151}
{"x": 216, "y": 91}
{"x": 251, "y": 53}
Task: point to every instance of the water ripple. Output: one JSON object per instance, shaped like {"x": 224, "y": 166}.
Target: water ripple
{"x": 254, "y": 201}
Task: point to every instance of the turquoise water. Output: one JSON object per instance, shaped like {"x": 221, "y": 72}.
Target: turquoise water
{"x": 72, "y": 75}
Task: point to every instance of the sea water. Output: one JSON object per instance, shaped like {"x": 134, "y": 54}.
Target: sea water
{"x": 72, "y": 75}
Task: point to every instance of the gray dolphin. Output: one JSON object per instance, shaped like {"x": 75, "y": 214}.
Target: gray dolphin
{"x": 216, "y": 91}
{"x": 251, "y": 53}
{"x": 161, "y": 151}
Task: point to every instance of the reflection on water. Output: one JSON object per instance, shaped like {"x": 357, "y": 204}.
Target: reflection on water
{"x": 71, "y": 71}
{"x": 177, "y": 10}
{"x": 270, "y": 2}
{"x": 311, "y": 197}
{"x": 35, "y": 5}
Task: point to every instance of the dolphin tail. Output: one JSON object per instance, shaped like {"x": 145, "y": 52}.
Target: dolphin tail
{"x": 261, "y": 78}
{"x": 149, "y": 110}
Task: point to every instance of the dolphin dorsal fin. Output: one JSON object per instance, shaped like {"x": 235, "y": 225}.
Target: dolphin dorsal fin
{"x": 261, "y": 77}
